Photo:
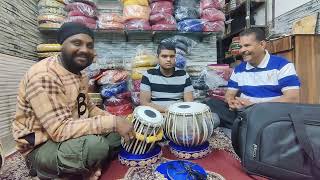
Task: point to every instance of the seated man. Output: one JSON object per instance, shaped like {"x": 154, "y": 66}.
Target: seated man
{"x": 260, "y": 78}
{"x": 165, "y": 85}
{"x": 57, "y": 128}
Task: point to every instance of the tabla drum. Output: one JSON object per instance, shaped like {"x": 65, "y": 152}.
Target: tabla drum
{"x": 189, "y": 125}
{"x": 143, "y": 149}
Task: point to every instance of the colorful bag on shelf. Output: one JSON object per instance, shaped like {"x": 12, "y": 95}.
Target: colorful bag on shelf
{"x": 136, "y": 12}
{"x": 162, "y": 7}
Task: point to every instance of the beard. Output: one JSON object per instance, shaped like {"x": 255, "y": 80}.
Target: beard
{"x": 72, "y": 65}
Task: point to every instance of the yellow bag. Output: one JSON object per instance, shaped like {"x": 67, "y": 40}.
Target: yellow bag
{"x": 48, "y": 47}
{"x": 50, "y": 25}
{"x": 135, "y": 2}
{"x": 47, "y": 54}
{"x": 137, "y": 73}
{"x": 145, "y": 61}
{"x": 136, "y": 12}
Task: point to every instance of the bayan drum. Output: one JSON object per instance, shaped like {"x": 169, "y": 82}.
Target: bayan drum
{"x": 143, "y": 149}
{"x": 188, "y": 125}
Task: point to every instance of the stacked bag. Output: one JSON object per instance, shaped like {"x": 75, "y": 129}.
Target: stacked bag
{"x": 183, "y": 46}
{"x": 82, "y": 11}
{"x": 51, "y": 13}
{"x": 216, "y": 78}
{"x": 235, "y": 46}
{"x": 142, "y": 62}
{"x": 187, "y": 16}
{"x": 47, "y": 50}
{"x": 110, "y": 21}
{"x": 212, "y": 15}
{"x": 197, "y": 77}
{"x": 161, "y": 17}
{"x": 136, "y": 14}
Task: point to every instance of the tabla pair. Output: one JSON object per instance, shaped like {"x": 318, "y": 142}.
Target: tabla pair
{"x": 187, "y": 125}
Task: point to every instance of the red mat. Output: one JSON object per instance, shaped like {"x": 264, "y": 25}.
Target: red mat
{"x": 219, "y": 161}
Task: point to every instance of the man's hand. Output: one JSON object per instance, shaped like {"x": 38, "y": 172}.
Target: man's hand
{"x": 244, "y": 102}
{"x": 124, "y": 127}
{"x": 234, "y": 104}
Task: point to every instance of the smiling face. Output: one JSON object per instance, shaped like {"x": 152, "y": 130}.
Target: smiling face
{"x": 252, "y": 50}
{"x": 77, "y": 52}
{"x": 167, "y": 59}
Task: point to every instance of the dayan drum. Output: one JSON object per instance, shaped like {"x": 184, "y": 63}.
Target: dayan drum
{"x": 143, "y": 149}
{"x": 189, "y": 125}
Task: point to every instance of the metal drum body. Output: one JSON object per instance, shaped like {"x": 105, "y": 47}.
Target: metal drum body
{"x": 188, "y": 123}
{"x": 147, "y": 123}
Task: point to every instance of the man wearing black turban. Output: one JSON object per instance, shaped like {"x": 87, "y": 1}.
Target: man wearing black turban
{"x": 57, "y": 128}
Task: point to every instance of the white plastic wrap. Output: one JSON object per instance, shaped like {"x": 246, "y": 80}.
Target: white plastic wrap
{"x": 182, "y": 12}
{"x": 136, "y": 12}
{"x": 182, "y": 43}
{"x": 110, "y": 60}
{"x": 191, "y": 25}
{"x": 82, "y": 8}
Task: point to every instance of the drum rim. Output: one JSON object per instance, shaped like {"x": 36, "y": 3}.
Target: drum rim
{"x": 143, "y": 121}
{"x": 175, "y": 105}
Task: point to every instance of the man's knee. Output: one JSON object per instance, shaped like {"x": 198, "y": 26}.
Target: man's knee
{"x": 96, "y": 149}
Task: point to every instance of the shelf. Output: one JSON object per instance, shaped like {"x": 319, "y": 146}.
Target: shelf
{"x": 241, "y": 9}
{"x": 137, "y": 34}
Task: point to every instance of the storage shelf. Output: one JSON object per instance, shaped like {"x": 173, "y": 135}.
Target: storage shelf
{"x": 241, "y": 9}
{"x": 231, "y": 35}
{"x": 137, "y": 34}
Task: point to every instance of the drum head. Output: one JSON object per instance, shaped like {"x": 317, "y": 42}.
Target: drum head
{"x": 188, "y": 107}
{"x": 148, "y": 114}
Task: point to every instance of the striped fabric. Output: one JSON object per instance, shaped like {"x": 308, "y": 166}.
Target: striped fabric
{"x": 53, "y": 103}
{"x": 166, "y": 90}
{"x": 268, "y": 81}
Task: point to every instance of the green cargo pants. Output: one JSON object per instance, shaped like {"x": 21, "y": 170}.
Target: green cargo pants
{"x": 72, "y": 157}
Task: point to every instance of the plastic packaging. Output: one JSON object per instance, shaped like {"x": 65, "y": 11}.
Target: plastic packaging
{"x": 137, "y": 73}
{"x": 223, "y": 70}
{"x": 114, "y": 101}
{"x": 161, "y": 7}
{"x": 212, "y": 79}
{"x": 121, "y": 110}
{"x": 191, "y": 25}
{"x": 52, "y": 10}
{"x": 212, "y": 14}
{"x": 186, "y": 3}
{"x": 164, "y": 27}
{"x": 216, "y": 26}
{"x": 48, "y": 47}
{"x": 124, "y": 95}
{"x": 50, "y": 25}
{"x": 85, "y": 9}
{"x": 110, "y": 17}
{"x": 135, "y": 97}
{"x": 178, "y": 39}
{"x": 136, "y": 12}
{"x": 135, "y": 2}
{"x": 108, "y": 91}
{"x": 218, "y": 4}
{"x": 50, "y": 18}
{"x": 162, "y": 18}
{"x": 89, "y": 22}
{"x": 93, "y": 70}
{"x": 180, "y": 61}
{"x": 138, "y": 24}
{"x": 136, "y": 85}
{"x": 89, "y": 2}
{"x": 110, "y": 25}
{"x": 111, "y": 60}
{"x": 112, "y": 76}
{"x": 181, "y": 13}
{"x": 50, "y": 3}
{"x": 144, "y": 58}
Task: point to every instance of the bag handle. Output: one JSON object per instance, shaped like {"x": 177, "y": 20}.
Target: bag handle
{"x": 235, "y": 135}
{"x": 304, "y": 141}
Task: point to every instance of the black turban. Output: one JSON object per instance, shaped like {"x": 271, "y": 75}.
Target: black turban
{"x": 72, "y": 28}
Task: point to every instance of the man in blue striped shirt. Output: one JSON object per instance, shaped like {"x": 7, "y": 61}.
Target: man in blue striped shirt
{"x": 261, "y": 77}
{"x": 165, "y": 84}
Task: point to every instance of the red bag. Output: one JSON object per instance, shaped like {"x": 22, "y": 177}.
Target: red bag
{"x": 218, "y": 4}
{"x": 138, "y": 24}
{"x": 212, "y": 14}
{"x": 85, "y": 9}
{"x": 161, "y": 7}
{"x": 215, "y": 26}
{"x": 121, "y": 110}
{"x": 89, "y": 22}
{"x": 162, "y": 18}
{"x": 114, "y": 101}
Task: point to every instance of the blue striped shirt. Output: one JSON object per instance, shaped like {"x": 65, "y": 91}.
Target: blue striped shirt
{"x": 267, "y": 81}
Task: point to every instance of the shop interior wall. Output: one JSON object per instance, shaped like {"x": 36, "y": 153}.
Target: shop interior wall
{"x": 18, "y": 39}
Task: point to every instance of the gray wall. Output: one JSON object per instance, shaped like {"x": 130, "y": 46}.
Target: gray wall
{"x": 283, "y": 23}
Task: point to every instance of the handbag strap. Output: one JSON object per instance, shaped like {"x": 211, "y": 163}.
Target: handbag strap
{"x": 303, "y": 139}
